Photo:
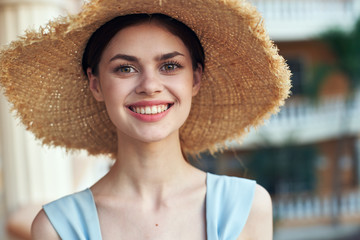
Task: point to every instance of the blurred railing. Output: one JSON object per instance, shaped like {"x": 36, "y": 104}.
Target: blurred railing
{"x": 307, "y": 209}
{"x": 303, "y": 19}
{"x": 309, "y": 121}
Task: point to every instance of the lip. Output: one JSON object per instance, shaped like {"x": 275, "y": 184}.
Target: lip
{"x": 149, "y": 103}
{"x": 149, "y": 117}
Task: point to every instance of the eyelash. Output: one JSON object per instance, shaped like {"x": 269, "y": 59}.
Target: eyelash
{"x": 176, "y": 65}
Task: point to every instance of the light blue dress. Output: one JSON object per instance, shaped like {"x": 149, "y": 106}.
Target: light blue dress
{"x": 228, "y": 203}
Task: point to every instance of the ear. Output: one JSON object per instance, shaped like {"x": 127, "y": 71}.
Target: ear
{"x": 94, "y": 84}
{"x": 197, "y": 79}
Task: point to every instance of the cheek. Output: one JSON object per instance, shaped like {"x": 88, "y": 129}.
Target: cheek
{"x": 114, "y": 98}
{"x": 182, "y": 90}
{"x": 184, "y": 86}
{"x": 116, "y": 89}
{"x": 188, "y": 91}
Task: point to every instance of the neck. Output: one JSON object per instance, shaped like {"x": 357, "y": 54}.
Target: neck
{"x": 149, "y": 168}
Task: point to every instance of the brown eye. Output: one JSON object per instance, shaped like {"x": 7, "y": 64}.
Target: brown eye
{"x": 125, "y": 69}
{"x": 169, "y": 67}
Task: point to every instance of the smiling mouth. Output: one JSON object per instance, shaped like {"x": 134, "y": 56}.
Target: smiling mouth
{"x": 150, "y": 110}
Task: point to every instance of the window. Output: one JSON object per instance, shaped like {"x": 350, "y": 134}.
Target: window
{"x": 297, "y": 69}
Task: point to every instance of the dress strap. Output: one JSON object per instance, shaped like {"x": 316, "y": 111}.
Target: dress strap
{"x": 228, "y": 204}
{"x": 75, "y": 216}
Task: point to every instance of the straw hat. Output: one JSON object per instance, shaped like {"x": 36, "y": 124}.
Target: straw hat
{"x": 245, "y": 79}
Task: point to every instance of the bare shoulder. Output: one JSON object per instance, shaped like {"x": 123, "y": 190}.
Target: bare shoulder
{"x": 42, "y": 229}
{"x": 262, "y": 202}
{"x": 259, "y": 225}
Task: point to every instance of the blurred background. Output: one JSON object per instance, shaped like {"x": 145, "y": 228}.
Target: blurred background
{"x": 307, "y": 156}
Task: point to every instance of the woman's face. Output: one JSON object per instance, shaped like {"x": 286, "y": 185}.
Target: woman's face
{"x": 147, "y": 82}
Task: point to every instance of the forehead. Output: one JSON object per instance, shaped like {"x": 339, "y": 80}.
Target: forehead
{"x": 145, "y": 38}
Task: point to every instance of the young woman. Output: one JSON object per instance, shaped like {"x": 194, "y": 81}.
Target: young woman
{"x": 145, "y": 72}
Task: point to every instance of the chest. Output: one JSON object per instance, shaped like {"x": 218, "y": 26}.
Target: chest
{"x": 166, "y": 222}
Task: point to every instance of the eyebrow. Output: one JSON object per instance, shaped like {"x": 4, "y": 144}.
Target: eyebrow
{"x": 124, "y": 57}
{"x": 130, "y": 58}
{"x": 169, "y": 55}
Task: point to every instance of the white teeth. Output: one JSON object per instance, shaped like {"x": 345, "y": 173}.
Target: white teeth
{"x": 155, "y": 109}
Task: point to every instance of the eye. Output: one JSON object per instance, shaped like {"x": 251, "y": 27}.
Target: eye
{"x": 125, "y": 69}
{"x": 171, "y": 66}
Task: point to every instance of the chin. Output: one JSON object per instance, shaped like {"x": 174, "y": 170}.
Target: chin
{"x": 152, "y": 138}
{"x": 148, "y": 135}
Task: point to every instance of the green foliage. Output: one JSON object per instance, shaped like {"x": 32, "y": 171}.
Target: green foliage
{"x": 346, "y": 48}
{"x": 316, "y": 78}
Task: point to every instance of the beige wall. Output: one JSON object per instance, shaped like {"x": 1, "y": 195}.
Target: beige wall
{"x": 31, "y": 173}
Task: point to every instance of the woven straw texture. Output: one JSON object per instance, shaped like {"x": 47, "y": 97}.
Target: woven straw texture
{"x": 245, "y": 79}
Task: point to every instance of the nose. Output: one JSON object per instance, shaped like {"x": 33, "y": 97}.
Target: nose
{"x": 149, "y": 84}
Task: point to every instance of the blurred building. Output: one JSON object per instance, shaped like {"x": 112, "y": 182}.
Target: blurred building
{"x": 307, "y": 156}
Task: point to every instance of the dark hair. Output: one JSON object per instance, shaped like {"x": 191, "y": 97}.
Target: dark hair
{"x": 102, "y": 36}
